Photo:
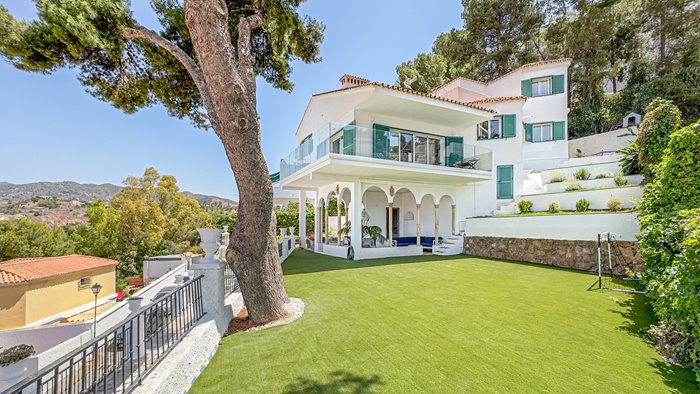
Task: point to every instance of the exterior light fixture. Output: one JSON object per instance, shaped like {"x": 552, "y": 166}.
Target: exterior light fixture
{"x": 95, "y": 290}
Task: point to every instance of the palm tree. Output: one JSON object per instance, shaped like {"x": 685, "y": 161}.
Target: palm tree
{"x": 374, "y": 232}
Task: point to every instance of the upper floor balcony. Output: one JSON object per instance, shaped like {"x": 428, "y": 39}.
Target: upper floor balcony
{"x": 384, "y": 152}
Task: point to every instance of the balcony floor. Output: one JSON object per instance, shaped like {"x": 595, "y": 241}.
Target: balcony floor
{"x": 337, "y": 167}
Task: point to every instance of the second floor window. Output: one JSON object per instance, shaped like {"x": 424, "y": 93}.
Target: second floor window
{"x": 542, "y": 132}
{"x": 490, "y": 129}
{"x": 541, "y": 87}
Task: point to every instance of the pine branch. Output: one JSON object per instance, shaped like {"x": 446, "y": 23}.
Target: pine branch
{"x": 184, "y": 59}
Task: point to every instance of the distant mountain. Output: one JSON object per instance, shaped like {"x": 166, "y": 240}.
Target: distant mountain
{"x": 59, "y": 203}
{"x": 60, "y": 190}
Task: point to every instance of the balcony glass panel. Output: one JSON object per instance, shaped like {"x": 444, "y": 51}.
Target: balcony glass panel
{"x": 385, "y": 143}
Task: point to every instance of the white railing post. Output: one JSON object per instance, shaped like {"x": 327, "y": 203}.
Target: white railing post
{"x": 213, "y": 291}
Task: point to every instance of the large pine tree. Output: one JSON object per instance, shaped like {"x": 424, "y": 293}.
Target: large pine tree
{"x": 202, "y": 65}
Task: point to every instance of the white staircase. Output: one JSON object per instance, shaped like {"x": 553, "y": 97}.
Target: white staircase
{"x": 532, "y": 183}
{"x": 450, "y": 246}
{"x": 507, "y": 208}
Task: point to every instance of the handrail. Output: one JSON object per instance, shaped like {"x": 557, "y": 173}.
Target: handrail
{"x": 187, "y": 297}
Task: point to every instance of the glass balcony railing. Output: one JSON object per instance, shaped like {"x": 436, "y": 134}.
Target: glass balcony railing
{"x": 386, "y": 143}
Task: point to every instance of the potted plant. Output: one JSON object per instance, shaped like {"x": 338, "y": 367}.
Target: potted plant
{"x": 11, "y": 366}
{"x": 372, "y": 232}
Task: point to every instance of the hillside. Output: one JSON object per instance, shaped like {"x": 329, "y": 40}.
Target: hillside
{"x": 60, "y": 203}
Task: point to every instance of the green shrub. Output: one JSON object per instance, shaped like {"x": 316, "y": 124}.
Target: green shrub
{"x": 14, "y": 354}
{"x": 582, "y": 174}
{"x": 629, "y": 159}
{"x": 525, "y": 206}
{"x": 669, "y": 239}
{"x": 582, "y": 205}
{"x": 573, "y": 186}
{"x": 661, "y": 119}
{"x": 557, "y": 177}
{"x": 554, "y": 207}
{"x": 620, "y": 180}
{"x": 604, "y": 175}
{"x": 615, "y": 204}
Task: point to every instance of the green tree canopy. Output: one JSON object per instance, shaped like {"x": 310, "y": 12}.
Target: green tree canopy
{"x": 25, "y": 238}
{"x": 118, "y": 63}
{"x": 148, "y": 217}
{"x": 661, "y": 120}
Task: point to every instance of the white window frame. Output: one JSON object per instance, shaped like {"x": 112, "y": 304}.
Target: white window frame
{"x": 488, "y": 130}
{"x": 537, "y": 132}
{"x": 87, "y": 279}
{"x": 536, "y": 86}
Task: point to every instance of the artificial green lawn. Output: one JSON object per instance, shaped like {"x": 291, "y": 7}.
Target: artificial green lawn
{"x": 451, "y": 324}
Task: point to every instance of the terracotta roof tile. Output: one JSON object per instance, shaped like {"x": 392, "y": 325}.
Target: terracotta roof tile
{"x": 29, "y": 269}
{"x": 406, "y": 90}
{"x": 535, "y": 64}
{"x": 496, "y": 99}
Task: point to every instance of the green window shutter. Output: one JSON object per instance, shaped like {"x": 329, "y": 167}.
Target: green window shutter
{"x": 381, "y": 142}
{"x": 504, "y": 182}
{"x": 454, "y": 150}
{"x": 559, "y": 130}
{"x": 557, "y": 84}
{"x": 508, "y": 124}
{"x": 528, "y": 132}
{"x": 349, "y": 139}
{"x": 526, "y": 87}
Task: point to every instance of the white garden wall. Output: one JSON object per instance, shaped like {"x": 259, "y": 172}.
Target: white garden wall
{"x": 598, "y": 198}
{"x": 568, "y": 227}
{"x": 590, "y": 183}
{"x": 604, "y": 142}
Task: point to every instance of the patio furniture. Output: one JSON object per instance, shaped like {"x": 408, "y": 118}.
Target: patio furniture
{"x": 469, "y": 164}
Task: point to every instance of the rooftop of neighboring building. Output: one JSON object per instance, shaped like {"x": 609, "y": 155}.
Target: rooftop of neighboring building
{"x": 35, "y": 268}
{"x": 562, "y": 61}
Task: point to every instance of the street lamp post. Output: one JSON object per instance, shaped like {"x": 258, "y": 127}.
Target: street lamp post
{"x": 95, "y": 290}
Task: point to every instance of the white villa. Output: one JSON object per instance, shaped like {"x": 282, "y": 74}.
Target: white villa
{"x": 421, "y": 164}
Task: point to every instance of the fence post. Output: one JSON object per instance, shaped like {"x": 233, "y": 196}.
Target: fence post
{"x": 213, "y": 291}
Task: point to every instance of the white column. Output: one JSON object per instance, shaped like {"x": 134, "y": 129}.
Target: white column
{"x": 317, "y": 224}
{"x": 453, "y": 219}
{"x": 337, "y": 207}
{"x": 390, "y": 228}
{"x": 302, "y": 218}
{"x": 437, "y": 223}
{"x": 213, "y": 291}
{"x": 326, "y": 225}
{"x": 417, "y": 224}
{"x": 356, "y": 221}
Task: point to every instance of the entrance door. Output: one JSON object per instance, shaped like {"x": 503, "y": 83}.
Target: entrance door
{"x": 394, "y": 224}
{"x": 504, "y": 182}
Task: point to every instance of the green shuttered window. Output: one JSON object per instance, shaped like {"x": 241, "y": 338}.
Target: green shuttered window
{"x": 381, "y": 142}
{"x": 543, "y": 86}
{"x": 508, "y": 125}
{"x": 349, "y": 139}
{"x": 559, "y": 130}
{"x": 526, "y": 87}
{"x": 557, "y": 84}
{"x": 454, "y": 150}
{"x": 545, "y": 131}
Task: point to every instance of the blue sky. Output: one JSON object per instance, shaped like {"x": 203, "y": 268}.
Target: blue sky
{"x": 51, "y": 130}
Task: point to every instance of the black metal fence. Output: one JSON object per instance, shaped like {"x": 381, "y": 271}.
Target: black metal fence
{"x": 230, "y": 281}
{"x": 117, "y": 360}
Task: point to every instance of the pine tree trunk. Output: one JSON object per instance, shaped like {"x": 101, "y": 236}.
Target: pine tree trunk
{"x": 230, "y": 81}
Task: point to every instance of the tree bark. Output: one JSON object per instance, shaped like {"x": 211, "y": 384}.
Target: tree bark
{"x": 230, "y": 85}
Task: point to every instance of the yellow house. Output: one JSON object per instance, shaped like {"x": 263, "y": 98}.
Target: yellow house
{"x": 33, "y": 289}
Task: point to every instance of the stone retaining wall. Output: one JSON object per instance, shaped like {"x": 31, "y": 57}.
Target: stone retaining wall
{"x": 581, "y": 255}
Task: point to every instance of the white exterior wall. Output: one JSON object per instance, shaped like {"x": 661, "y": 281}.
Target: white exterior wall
{"x": 552, "y": 108}
{"x": 570, "y": 227}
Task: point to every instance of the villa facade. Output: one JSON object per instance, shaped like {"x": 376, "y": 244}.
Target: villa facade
{"x": 417, "y": 165}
